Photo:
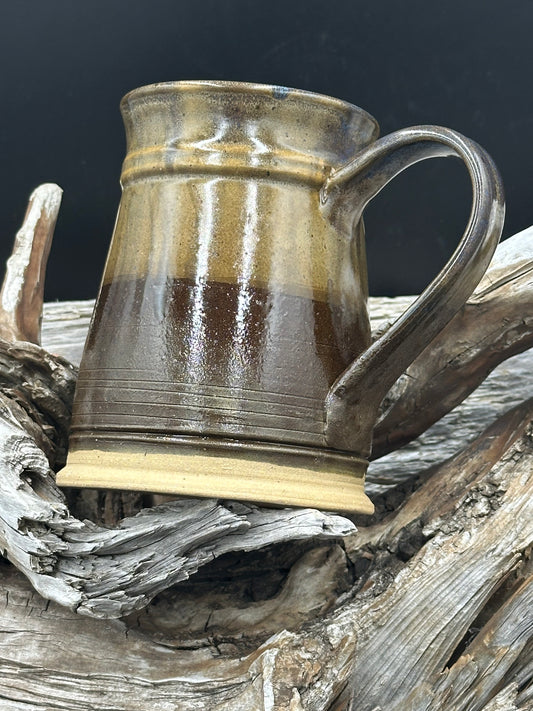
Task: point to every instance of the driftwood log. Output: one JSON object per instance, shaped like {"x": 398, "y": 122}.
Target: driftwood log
{"x": 113, "y": 602}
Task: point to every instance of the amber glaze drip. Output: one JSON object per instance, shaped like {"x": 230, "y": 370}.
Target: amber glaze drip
{"x": 212, "y": 358}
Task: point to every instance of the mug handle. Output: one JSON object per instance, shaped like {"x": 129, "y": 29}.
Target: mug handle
{"x": 352, "y": 403}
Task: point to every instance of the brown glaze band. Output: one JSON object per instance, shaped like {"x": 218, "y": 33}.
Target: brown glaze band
{"x": 319, "y": 458}
{"x": 190, "y": 408}
{"x": 263, "y": 376}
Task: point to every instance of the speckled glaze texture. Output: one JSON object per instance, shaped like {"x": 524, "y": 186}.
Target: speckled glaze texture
{"x": 231, "y": 332}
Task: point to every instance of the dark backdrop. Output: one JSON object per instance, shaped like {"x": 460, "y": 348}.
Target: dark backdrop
{"x": 66, "y": 64}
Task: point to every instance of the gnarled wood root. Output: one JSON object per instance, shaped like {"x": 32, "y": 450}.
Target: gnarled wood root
{"x": 437, "y": 615}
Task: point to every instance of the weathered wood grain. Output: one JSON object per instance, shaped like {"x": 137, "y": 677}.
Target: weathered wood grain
{"x": 398, "y": 641}
{"x": 110, "y": 572}
{"x": 472, "y": 522}
{"x": 21, "y": 295}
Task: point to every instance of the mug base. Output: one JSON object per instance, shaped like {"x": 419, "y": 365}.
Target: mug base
{"x": 279, "y": 479}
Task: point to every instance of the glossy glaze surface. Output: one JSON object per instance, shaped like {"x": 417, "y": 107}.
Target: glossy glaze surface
{"x": 230, "y": 342}
{"x": 212, "y": 357}
{"x": 229, "y": 305}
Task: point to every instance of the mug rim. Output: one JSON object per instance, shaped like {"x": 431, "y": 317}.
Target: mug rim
{"x": 242, "y": 87}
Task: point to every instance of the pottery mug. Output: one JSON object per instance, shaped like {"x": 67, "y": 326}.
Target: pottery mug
{"x": 230, "y": 353}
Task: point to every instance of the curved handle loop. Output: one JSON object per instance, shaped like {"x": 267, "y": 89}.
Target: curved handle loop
{"x": 353, "y": 400}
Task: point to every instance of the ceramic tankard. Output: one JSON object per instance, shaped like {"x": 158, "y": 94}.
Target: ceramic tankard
{"x": 230, "y": 352}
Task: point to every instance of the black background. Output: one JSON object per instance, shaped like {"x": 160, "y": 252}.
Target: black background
{"x": 65, "y": 65}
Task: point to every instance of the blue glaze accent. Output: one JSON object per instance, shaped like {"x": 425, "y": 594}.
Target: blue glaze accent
{"x": 280, "y": 92}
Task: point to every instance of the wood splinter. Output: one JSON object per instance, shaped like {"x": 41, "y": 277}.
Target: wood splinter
{"x": 21, "y": 296}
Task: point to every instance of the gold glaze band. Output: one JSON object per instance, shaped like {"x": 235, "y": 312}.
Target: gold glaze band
{"x": 226, "y": 476}
{"x": 223, "y": 159}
